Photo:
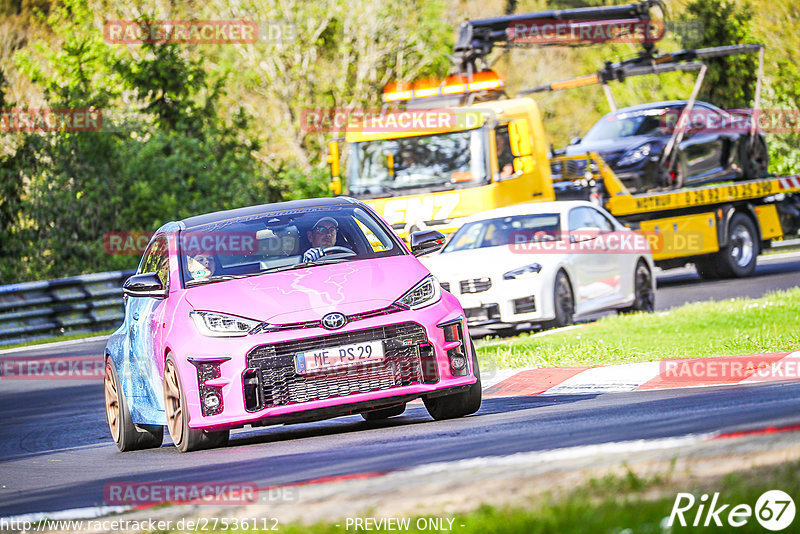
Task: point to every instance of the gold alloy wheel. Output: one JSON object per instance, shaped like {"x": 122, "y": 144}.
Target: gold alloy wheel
{"x": 172, "y": 402}
{"x": 112, "y": 402}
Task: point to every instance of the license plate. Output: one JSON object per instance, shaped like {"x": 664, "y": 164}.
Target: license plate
{"x": 338, "y": 357}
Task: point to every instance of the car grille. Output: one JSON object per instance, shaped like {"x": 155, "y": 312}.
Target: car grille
{"x": 476, "y": 285}
{"x": 524, "y": 305}
{"x": 280, "y": 384}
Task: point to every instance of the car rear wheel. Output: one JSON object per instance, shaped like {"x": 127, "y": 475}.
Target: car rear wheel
{"x": 127, "y": 435}
{"x": 644, "y": 296}
{"x": 185, "y": 438}
{"x": 563, "y": 302}
{"x": 384, "y": 413}
{"x": 754, "y": 157}
{"x": 460, "y": 404}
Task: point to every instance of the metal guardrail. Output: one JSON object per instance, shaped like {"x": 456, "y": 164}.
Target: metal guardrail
{"x": 75, "y": 305}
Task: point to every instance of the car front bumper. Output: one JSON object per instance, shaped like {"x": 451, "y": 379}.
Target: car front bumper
{"x": 256, "y": 380}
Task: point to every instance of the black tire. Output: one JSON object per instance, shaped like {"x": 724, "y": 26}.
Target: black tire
{"x": 563, "y": 302}
{"x": 753, "y": 157}
{"x": 460, "y": 404}
{"x": 738, "y": 258}
{"x": 644, "y": 296}
{"x": 707, "y": 268}
{"x": 384, "y": 413}
{"x": 127, "y": 435}
{"x": 185, "y": 439}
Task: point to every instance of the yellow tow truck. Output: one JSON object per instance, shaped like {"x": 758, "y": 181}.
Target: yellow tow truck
{"x": 444, "y": 150}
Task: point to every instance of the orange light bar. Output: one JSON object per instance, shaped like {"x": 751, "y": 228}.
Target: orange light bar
{"x": 575, "y": 82}
{"x": 397, "y": 91}
{"x": 426, "y": 88}
{"x": 454, "y": 85}
{"x": 485, "y": 81}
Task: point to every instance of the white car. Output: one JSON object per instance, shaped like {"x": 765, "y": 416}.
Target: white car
{"x": 546, "y": 263}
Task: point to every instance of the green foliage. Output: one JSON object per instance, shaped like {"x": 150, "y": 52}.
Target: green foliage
{"x": 730, "y": 81}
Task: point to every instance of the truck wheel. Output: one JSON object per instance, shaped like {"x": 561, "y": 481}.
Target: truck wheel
{"x": 738, "y": 258}
{"x": 185, "y": 439}
{"x": 460, "y": 404}
{"x": 127, "y": 435}
{"x": 384, "y": 413}
{"x": 563, "y": 302}
{"x": 644, "y": 296}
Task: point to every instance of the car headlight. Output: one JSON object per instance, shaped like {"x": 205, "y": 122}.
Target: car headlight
{"x": 634, "y": 156}
{"x": 425, "y": 293}
{"x": 222, "y": 325}
{"x": 522, "y": 272}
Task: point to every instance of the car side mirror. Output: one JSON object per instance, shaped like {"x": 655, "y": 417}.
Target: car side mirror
{"x": 144, "y": 285}
{"x": 426, "y": 242}
{"x": 574, "y": 141}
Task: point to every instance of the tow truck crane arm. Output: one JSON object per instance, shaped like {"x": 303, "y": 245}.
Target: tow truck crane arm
{"x": 647, "y": 63}
{"x": 477, "y": 38}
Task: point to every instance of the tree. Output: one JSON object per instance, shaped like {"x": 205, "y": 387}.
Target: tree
{"x": 730, "y": 81}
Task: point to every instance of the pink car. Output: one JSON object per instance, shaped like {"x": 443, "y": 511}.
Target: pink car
{"x": 283, "y": 313}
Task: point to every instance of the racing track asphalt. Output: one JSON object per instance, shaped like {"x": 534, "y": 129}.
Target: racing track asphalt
{"x": 56, "y": 454}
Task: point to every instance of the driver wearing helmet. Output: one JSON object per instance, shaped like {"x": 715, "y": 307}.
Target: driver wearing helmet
{"x": 321, "y": 236}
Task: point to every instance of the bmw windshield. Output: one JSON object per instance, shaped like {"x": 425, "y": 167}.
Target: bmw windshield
{"x": 629, "y": 124}
{"x": 435, "y": 162}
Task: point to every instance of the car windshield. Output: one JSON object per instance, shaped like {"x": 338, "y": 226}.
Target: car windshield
{"x": 629, "y": 124}
{"x": 435, "y": 162}
{"x": 502, "y": 231}
{"x": 276, "y": 241}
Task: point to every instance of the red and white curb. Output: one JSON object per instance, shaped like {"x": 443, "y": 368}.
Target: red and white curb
{"x": 694, "y": 372}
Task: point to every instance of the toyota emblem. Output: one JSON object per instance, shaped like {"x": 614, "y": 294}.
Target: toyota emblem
{"x": 333, "y": 321}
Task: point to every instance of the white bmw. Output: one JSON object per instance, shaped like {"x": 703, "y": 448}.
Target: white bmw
{"x": 546, "y": 263}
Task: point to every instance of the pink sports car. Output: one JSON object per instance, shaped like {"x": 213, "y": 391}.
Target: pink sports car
{"x": 283, "y": 313}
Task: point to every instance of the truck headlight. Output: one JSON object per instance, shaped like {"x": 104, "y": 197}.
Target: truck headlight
{"x": 634, "y": 156}
{"x": 425, "y": 293}
{"x": 522, "y": 272}
{"x": 222, "y": 325}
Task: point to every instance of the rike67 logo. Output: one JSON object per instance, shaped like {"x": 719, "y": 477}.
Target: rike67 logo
{"x": 774, "y": 510}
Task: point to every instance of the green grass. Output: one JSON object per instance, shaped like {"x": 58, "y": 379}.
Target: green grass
{"x": 56, "y": 339}
{"x": 614, "y": 505}
{"x": 724, "y": 328}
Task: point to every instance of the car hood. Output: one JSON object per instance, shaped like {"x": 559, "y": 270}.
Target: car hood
{"x": 477, "y": 263}
{"x": 308, "y": 294}
{"x": 605, "y": 146}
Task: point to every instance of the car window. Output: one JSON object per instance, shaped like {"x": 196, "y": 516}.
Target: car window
{"x": 582, "y": 217}
{"x": 601, "y": 221}
{"x": 503, "y": 231}
{"x": 156, "y": 259}
{"x": 275, "y": 241}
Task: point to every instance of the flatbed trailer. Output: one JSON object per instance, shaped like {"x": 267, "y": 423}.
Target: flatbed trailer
{"x": 720, "y": 227}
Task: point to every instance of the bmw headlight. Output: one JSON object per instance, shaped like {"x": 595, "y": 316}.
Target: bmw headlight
{"x": 634, "y": 156}
{"x": 222, "y": 325}
{"x": 522, "y": 272}
{"x": 425, "y": 293}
